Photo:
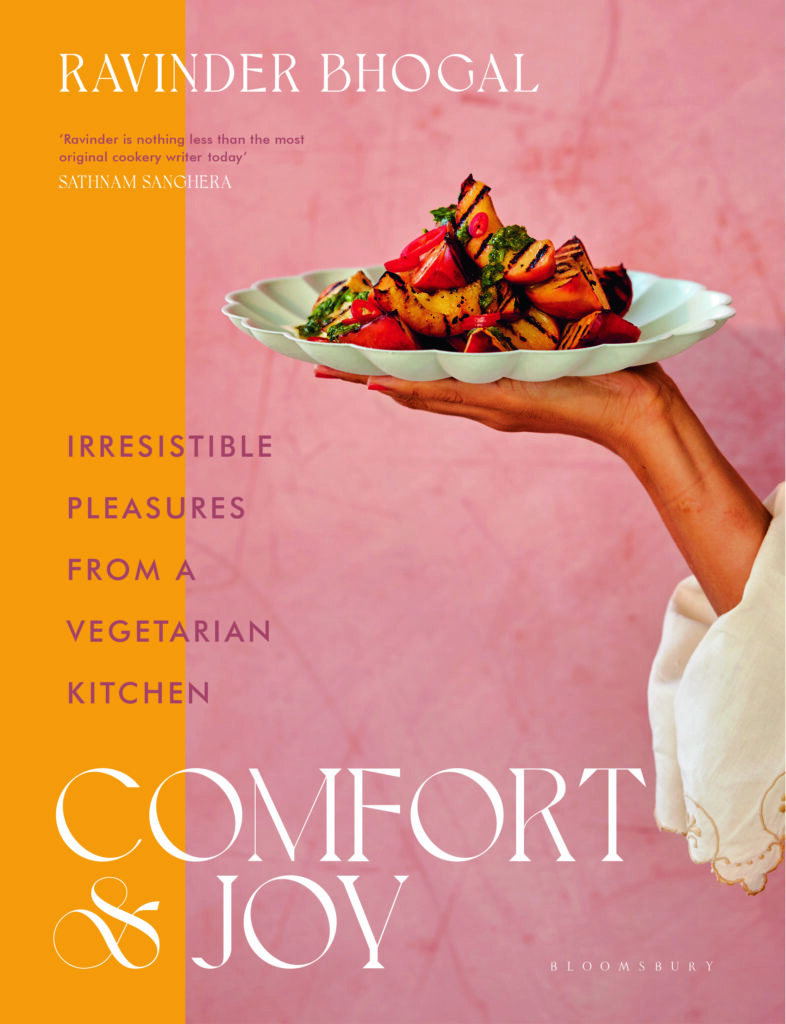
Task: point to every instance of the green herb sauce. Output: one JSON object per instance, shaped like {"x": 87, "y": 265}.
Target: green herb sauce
{"x": 444, "y": 214}
{"x": 322, "y": 313}
{"x": 325, "y": 310}
{"x": 498, "y": 334}
{"x": 511, "y": 238}
{"x": 339, "y": 330}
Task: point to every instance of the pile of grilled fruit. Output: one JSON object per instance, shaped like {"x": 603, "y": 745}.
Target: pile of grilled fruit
{"x": 471, "y": 284}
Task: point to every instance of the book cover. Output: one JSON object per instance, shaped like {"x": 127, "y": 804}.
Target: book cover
{"x": 325, "y": 710}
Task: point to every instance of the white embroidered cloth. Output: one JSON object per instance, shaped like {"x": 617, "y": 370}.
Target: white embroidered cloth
{"x": 716, "y": 706}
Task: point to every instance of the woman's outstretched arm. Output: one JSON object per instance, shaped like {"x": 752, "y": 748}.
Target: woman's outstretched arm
{"x": 715, "y": 519}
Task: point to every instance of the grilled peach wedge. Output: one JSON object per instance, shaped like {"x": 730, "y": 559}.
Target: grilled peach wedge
{"x": 475, "y": 207}
{"x": 436, "y": 315}
{"x": 602, "y": 327}
{"x": 574, "y": 249}
{"x": 618, "y": 288}
{"x": 357, "y": 283}
{"x": 534, "y": 263}
{"x": 533, "y": 330}
{"x": 568, "y": 293}
{"x": 476, "y": 217}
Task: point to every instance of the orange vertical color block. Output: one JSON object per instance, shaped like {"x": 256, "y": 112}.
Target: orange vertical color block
{"x": 95, "y": 341}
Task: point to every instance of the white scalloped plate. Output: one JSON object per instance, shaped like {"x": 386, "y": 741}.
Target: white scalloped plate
{"x": 672, "y": 315}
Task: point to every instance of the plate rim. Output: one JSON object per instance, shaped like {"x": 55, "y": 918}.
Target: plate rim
{"x": 236, "y": 308}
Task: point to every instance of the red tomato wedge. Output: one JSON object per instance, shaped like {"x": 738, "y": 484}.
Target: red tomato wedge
{"x": 445, "y": 266}
{"x": 420, "y": 245}
{"x": 385, "y": 331}
{"x": 402, "y": 263}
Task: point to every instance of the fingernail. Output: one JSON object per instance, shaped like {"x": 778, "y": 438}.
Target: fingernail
{"x": 377, "y": 384}
{"x": 325, "y": 374}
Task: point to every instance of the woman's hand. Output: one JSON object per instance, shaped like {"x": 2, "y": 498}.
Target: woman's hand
{"x": 609, "y": 409}
{"x": 716, "y": 521}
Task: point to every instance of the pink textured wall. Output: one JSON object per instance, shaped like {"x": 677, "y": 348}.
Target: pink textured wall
{"x": 442, "y": 596}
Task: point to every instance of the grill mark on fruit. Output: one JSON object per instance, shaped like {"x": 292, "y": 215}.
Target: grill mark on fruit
{"x": 483, "y": 245}
{"x": 516, "y": 256}
{"x": 537, "y": 257}
{"x": 566, "y": 268}
{"x": 537, "y": 325}
{"x": 576, "y": 251}
{"x": 574, "y": 335}
{"x": 505, "y": 343}
{"x": 484, "y": 191}
{"x": 466, "y": 185}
